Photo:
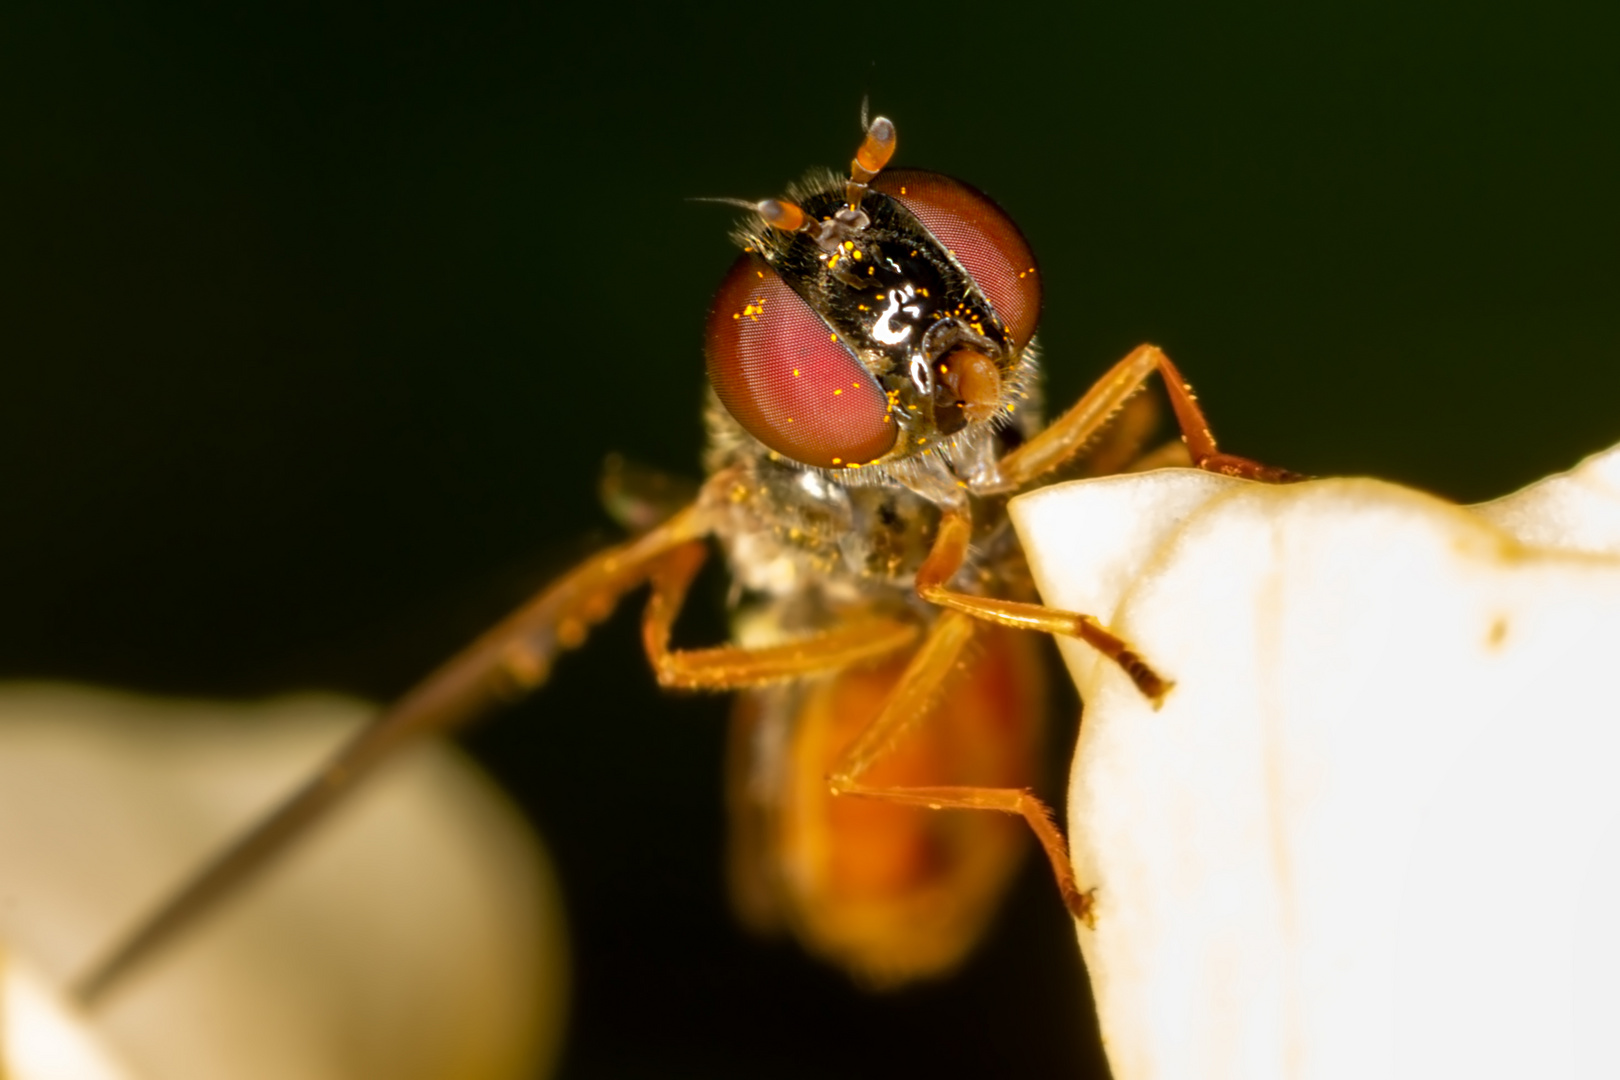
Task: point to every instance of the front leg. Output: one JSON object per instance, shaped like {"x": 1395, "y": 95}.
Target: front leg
{"x": 512, "y": 659}
{"x": 1072, "y": 431}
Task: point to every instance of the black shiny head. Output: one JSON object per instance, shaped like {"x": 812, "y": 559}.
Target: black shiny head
{"x": 894, "y": 313}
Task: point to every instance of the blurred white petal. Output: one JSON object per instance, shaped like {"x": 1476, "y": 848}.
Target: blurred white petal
{"x": 1374, "y": 831}
{"x": 44, "y": 1036}
{"x": 415, "y": 936}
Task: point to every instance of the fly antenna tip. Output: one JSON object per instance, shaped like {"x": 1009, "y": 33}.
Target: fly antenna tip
{"x": 723, "y": 200}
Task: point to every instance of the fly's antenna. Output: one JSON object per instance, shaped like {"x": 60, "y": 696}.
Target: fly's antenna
{"x": 875, "y": 151}
{"x": 741, "y": 204}
{"x": 777, "y": 213}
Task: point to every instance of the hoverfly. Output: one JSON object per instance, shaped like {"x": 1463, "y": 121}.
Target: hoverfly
{"x": 873, "y": 405}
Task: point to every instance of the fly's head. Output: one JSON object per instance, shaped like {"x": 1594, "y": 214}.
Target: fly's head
{"x": 873, "y": 320}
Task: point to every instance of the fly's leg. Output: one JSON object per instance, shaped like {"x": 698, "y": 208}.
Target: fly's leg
{"x": 908, "y": 704}
{"x": 1119, "y": 446}
{"x": 728, "y": 667}
{"x": 1170, "y": 455}
{"x": 1069, "y": 433}
{"x": 1201, "y": 442}
{"x": 946, "y": 558}
{"x": 508, "y": 661}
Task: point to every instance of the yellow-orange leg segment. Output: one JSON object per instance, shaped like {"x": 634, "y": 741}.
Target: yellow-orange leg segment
{"x": 946, "y": 558}
{"x": 910, "y": 703}
{"x": 506, "y": 662}
{"x": 1201, "y": 442}
{"x": 1072, "y": 431}
{"x": 1120, "y": 446}
{"x": 729, "y": 667}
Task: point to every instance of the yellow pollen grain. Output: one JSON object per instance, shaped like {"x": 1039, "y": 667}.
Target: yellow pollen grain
{"x": 761, "y": 274}
{"x": 838, "y": 461}
{"x": 849, "y": 245}
{"x": 795, "y": 373}
{"x": 870, "y": 270}
{"x": 902, "y": 189}
{"x": 835, "y": 337}
{"x": 840, "y": 390}
{"x": 855, "y": 254}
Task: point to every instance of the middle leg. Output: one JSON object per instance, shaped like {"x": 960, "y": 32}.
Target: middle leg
{"x": 910, "y": 702}
{"x": 946, "y": 558}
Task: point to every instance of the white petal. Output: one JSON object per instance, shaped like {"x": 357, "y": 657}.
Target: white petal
{"x": 1374, "y": 830}
{"x": 416, "y": 935}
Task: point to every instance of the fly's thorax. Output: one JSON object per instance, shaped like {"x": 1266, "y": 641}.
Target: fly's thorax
{"x": 790, "y": 531}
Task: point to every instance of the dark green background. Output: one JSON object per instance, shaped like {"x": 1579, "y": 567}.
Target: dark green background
{"x": 316, "y": 321}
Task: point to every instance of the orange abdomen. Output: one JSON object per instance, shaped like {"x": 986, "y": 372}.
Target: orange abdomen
{"x": 891, "y": 893}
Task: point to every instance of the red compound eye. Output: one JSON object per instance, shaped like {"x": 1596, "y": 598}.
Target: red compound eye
{"x": 785, "y": 376}
{"x": 981, "y": 236}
